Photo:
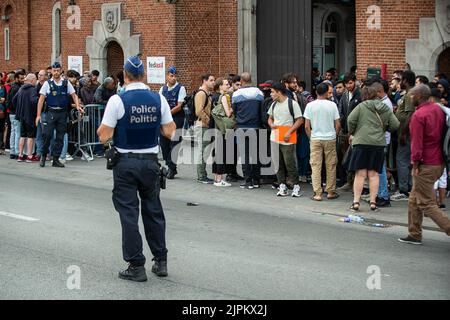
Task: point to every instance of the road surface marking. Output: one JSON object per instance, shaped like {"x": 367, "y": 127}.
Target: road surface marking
{"x": 16, "y": 216}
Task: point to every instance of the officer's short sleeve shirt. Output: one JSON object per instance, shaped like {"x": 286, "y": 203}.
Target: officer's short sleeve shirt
{"x": 45, "y": 90}
{"x": 181, "y": 95}
{"x": 115, "y": 111}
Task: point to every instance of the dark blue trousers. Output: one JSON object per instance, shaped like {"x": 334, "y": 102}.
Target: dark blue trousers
{"x": 54, "y": 120}
{"x": 168, "y": 145}
{"x": 133, "y": 177}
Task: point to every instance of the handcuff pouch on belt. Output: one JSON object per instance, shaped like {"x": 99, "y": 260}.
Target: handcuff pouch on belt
{"x": 112, "y": 158}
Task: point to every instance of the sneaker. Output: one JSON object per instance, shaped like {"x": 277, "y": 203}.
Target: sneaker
{"x": 383, "y": 203}
{"x": 410, "y": 240}
{"x": 247, "y": 185}
{"x": 282, "y": 191}
{"x": 87, "y": 158}
{"x": 171, "y": 173}
{"x": 443, "y": 207}
{"x": 134, "y": 273}
{"x": 57, "y": 164}
{"x": 256, "y": 184}
{"x": 100, "y": 155}
{"x": 33, "y": 159}
{"x": 69, "y": 157}
{"x": 13, "y": 157}
{"x": 346, "y": 188}
{"x": 21, "y": 158}
{"x": 222, "y": 184}
{"x": 63, "y": 161}
{"x": 205, "y": 180}
{"x": 297, "y": 192}
{"x": 398, "y": 196}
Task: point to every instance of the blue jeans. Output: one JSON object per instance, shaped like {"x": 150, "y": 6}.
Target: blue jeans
{"x": 383, "y": 191}
{"x": 40, "y": 138}
{"x": 15, "y": 135}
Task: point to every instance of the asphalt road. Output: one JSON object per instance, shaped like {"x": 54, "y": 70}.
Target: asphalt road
{"x": 218, "y": 250}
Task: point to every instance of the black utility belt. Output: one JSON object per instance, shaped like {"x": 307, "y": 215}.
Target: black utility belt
{"x": 56, "y": 110}
{"x": 140, "y": 156}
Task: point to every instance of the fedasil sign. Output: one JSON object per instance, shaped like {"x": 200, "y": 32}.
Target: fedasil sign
{"x": 156, "y": 70}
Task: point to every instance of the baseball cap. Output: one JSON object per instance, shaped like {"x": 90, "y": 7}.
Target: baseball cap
{"x": 134, "y": 66}
{"x": 266, "y": 85}
{"x": 56, "y": 65}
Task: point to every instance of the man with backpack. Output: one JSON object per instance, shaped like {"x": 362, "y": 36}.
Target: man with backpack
{"x": 175, "y": 93}
{"x": 56, "y": 92}
{"x": 202, "y": 104}
{"x": 286, "y": 113}
{"x": 426, "y": 127}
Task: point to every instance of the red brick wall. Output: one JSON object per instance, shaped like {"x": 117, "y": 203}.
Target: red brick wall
{"x": 18, "y": 29}
{"x": 399, "y": 21}
{"x": 197, "y": 36}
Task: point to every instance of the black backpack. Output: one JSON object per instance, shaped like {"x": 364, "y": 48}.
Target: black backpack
{"x": 291, "y": 110}
{"x": 189, "y": 107}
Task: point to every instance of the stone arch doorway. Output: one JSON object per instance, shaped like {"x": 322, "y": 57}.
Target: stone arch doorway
{"x": 444, "y": 62}
{"x": 114, "y": 58}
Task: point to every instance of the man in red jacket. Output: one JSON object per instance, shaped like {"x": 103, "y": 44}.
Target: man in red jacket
{"x": 426, "y": 128}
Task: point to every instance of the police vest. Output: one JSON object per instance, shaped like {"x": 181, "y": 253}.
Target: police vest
{"x": 59, "y": 97}
{"x": 139, "y": 128}
{"x": 172, "y": 98}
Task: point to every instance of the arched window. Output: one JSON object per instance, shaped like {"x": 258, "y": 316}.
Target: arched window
{"x": 331, "y": 42}
{"x": 331, "y": 25}
{"x": 56, "y": 32}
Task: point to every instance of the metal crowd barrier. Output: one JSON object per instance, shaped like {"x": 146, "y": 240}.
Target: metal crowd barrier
{"x": 83, "y": 130}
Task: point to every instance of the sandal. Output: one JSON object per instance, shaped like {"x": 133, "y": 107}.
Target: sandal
{"x": 373, "y": 207}
{"x": 315, "y": 198}
{"x": 334, "y": 196}
{"x": 355, "y": 206}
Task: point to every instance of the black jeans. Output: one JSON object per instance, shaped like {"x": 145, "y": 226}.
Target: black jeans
{"x": 168, "y": 145}
{"x": 133, "y": 177}
{"x": 251, "y": 165}
{"x": 54, "y": 120}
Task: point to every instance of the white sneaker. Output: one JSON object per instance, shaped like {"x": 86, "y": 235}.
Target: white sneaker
{"x": 69, "y": 157}
{"x": 87, "y": 158}
{"x": 398, "y": 196}
{"x": 282, "y": 191}
{"x": 63, "y": 161}
{"x": 297, "y": 192}
{"x": 222, "y": 184}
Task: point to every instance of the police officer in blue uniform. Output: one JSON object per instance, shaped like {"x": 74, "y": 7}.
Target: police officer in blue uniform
{"x": 135, "y": 119}
{"x": 58, "y": 93}
{"x": 175, "y": 93}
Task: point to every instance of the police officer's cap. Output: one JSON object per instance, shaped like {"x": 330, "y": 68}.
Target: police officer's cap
{"x": 172, "y": 70}
{"x": 134, "y": 66}
{"x": 56, "y": 65}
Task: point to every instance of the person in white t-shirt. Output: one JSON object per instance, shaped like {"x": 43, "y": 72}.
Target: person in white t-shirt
{"x": 322, "y": 124}
{"x": 284, "y": 112}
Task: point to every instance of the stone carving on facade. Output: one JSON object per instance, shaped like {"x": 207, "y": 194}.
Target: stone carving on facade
{"x": 447, "y": 24}
{"x": 112, "y": 19}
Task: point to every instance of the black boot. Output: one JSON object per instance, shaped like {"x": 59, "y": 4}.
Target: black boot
{"x": 42, "y": 162}
{"x": 171, "y": 174}
{"x": 160, "y": 268}
{"x": 57, "y": 163}
{"x": 134, "y": 273}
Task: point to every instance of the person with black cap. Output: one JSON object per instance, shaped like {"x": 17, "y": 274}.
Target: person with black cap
{"x": 57, "y": 93}
{"x": 135, "y": 119}
{"x": 175, "y": 93}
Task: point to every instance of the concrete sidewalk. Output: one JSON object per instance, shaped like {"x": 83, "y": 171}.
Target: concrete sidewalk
{"x": 184, "y": 188}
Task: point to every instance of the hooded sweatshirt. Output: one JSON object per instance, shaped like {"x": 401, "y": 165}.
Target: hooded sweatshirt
{"x": 369, "y": 129}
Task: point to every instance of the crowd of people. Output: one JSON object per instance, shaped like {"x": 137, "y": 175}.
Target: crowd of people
{"x": 342, "y": 135}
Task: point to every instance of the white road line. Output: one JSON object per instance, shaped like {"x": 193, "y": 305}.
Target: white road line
{"x": 16, "y": 216}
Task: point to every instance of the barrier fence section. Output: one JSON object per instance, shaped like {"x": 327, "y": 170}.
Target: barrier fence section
{"x": 83, "y": 130}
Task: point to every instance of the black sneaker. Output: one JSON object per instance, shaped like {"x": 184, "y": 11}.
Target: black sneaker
{"x": 205, "y": 181}
{"x": 171, "y": 174}
{"x": 160, "y": 268}
{"x": 410, "y": 240}
{"x": 442, "y": 206}
{"x": 247, "y": 185}
{"x": 256, "y": 184}
{"x": 382, "y": 203}
{"x": 134, "y": 273}
{"x": 13, "y": 157}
